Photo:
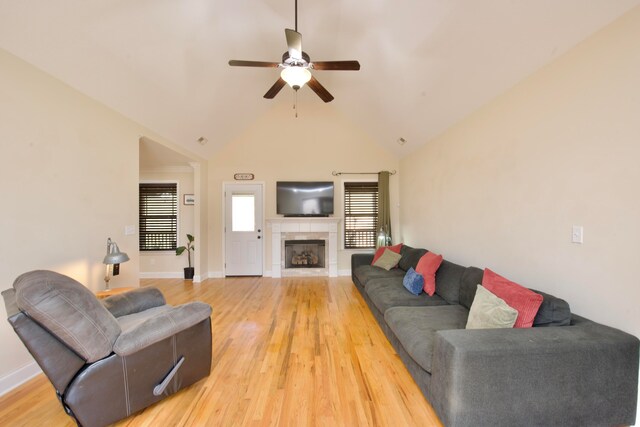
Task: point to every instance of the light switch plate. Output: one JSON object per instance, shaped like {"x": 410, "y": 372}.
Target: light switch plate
{"x": 129, "y": 230}
{"x": 577, "y": 234}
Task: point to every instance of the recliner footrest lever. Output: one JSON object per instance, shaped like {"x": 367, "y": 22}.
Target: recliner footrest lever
{"x": 159, "y": 389}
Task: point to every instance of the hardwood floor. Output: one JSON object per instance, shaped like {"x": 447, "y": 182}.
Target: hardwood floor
{"x": 291, "y": 351}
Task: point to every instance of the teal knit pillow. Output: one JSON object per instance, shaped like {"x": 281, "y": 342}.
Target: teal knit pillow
{"x": 413, "y": 281}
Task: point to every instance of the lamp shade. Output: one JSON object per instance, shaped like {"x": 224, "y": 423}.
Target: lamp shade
{"x": 114, "y": 256}
{"x": 295, "y": 76}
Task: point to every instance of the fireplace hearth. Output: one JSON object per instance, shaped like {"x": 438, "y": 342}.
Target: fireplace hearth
{"x": 304, "y": 253}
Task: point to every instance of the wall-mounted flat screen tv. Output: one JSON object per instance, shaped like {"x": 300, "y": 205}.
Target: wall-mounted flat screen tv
{"x": 304, "y": 198}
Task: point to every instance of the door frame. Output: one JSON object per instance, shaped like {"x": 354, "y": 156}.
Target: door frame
{"x": 224, "y": 222}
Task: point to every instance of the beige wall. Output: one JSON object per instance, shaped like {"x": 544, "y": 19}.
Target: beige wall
{"x": 503, "y": 188}
{"x": 201, "y": 220}
{"x": 280, "y": 147}
{"x": 70, "y": 169}
{"x": 166, "y": 263}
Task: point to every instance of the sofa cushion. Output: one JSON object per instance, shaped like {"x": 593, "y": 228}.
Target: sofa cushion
{"x": 387, "y": 260}
{"x": 552, "y": 312}
{"x": 448, "y": 281}
{"x": 365, "y": 273}
{"x": 427, "y": 267}
{"x": 471, "y": 278}
{"x": 410, "y": 257}
{"x": 522, "y": 299}
{"x": 69, "y": 311}
{"x": 389, "y": 292}
{"x": 416, "y": 327}
{"x": 413, "y": 282}
{"x": 380, "y": 251}
{"x": 490, "y": 312}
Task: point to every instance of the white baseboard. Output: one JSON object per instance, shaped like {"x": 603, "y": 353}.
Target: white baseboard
{"x": 340, "y": 273}
{"x": 170, "y": 275}
{"x": 19, "y": 376}
{"x": 267, "y": 273}
{"x": 162, "y": 275}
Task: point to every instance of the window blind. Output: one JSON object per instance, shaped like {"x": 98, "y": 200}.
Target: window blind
{"x": 360, "y": 214}
{"x": 158, "y": 224}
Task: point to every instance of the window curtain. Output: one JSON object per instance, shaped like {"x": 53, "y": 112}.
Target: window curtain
{"x": 384, "y": 210}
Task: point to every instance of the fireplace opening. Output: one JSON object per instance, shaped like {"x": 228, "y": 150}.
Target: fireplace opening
{"x": 304, "y": 253}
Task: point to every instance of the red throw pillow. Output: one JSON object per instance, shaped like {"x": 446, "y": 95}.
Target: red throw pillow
{"x": 378, "y": 254}
{"x": 522, "y": 299}
{"x": 427, "y": 267}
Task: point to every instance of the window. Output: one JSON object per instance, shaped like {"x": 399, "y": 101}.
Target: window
{"x": 360, "y": 214}
{"x": 158, "y": 216}
{"x": 243, "y": 216}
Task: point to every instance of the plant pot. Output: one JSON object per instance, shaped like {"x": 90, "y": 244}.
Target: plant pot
{"x": 188, "y": 273}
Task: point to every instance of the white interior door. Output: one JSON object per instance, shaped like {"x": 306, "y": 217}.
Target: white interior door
{"x": 243, "y": 230}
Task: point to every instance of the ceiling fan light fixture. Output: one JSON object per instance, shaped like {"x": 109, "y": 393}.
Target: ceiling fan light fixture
{"x": 296, "y": 77}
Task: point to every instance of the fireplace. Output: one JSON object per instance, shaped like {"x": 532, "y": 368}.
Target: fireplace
{"x": 283, "y": 229}
{"x": 304, "y": 254}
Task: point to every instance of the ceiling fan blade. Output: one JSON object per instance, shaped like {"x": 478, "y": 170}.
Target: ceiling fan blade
{"x": 294, "y": 43}
{"x": 238, "y": 63}
{"x": 315, "y": 86}
{"x": 336, "y": 65}
{"x": 273, "y": 91}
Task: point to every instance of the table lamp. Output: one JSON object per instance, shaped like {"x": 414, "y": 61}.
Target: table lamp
{"x": 381, "y": 240}
{"x": 113, "y": 258}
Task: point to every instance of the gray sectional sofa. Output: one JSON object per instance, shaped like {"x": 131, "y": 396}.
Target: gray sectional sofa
{"x": 564, "y": 371}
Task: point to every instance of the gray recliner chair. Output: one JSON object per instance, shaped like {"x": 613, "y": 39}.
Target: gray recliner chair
{"x": 109, "y": 359}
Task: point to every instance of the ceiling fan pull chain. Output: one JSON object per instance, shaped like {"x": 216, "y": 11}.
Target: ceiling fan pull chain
{"x": 295, "y": 103}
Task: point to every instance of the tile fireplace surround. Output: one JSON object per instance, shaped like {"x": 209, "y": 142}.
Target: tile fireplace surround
{"x": 282, "y": 229}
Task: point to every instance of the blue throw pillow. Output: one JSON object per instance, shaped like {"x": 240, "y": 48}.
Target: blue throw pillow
{"x": 413, "y": 281}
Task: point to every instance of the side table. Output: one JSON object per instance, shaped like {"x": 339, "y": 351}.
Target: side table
{"x": 108, "y": 292}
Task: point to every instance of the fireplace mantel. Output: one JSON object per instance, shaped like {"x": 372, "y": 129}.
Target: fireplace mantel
{"x": 326, "y": 227}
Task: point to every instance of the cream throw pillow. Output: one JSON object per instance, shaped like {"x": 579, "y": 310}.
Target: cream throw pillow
{"x": 490, "y": 312}
{"x": 388, "y": 260}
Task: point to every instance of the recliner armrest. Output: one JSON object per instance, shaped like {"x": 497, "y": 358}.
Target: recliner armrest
{"x": 584, "y": 374}
{"x": 134, "y": 301}
{"x": 163, "y": 325}
{"x": 9, "y": 296}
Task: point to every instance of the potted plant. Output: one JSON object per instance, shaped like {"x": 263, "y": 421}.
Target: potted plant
{"x": 188, "y": 271}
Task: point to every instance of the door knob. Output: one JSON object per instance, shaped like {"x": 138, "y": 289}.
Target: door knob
{"x": 259, "y": 237}
{"x": 259, "y": 230}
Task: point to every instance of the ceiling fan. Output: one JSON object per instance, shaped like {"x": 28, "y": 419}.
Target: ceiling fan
{"x": 296, "y": 65}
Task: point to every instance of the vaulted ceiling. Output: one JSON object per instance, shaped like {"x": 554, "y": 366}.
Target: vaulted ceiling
{"x": 426, "y": 64}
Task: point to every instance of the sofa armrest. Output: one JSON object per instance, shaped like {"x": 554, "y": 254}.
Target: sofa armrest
{"x": 584, "y": 374}
{"x": 360, "y": 259}
{"x": 162, "y": 326}
{"x": 133, "y": 301}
